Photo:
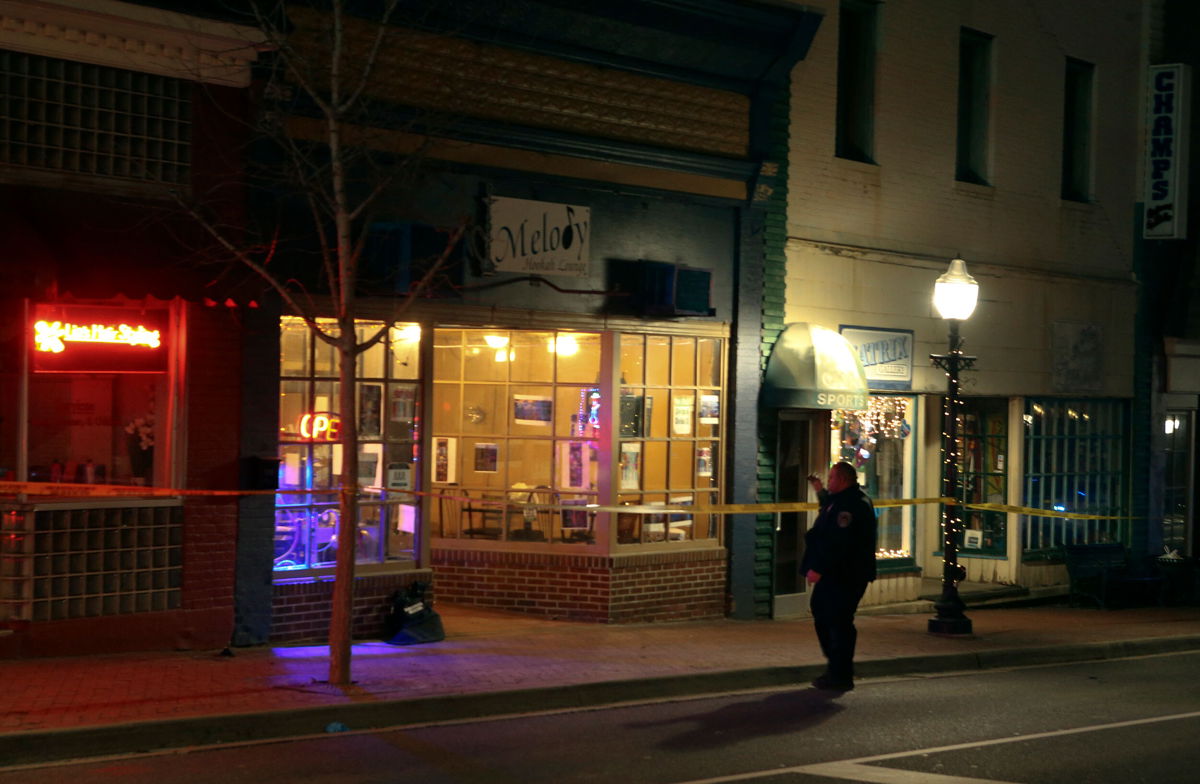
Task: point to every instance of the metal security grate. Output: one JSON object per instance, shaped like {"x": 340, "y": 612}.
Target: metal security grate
{"x": 92, "y": 120}
{"x": 66, "y": 562}
{"x": 1075, "y": 461}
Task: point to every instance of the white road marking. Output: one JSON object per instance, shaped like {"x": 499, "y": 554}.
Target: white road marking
{"x": 858, "y": 769}
{"x": 875, "y": 775}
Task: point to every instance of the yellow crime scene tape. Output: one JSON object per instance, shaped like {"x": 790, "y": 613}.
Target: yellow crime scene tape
{"x": 62, "y": 490}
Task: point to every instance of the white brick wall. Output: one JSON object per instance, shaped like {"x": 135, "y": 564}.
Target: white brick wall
{"x": 913, "y": 216}
{"x": 866, "y": 242}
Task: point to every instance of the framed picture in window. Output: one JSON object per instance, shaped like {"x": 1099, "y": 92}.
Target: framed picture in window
{"x": 487, "y": 458}
{"x": 445, "y": 460}
{"x": 632, "y": 416}
{"x": 370, "y": 410}
{"x": 710, "y": 409}
{"x": 533, "y": 410}
{"x": 573, "y": 464}
{"x": 683, "y": 407}
{"x": 399, "y": 476}
{"x": 370, "y": 465}
{"x": 631, "y": 465}
{"x": 403, "y": 405}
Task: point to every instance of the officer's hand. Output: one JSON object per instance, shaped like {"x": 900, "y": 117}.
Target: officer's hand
{"x": 812, "y": 576}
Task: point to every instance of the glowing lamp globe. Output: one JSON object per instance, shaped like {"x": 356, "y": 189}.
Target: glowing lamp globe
{"x": 955, "y": 293}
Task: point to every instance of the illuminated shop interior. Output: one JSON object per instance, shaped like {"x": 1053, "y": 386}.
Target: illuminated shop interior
{"x": 519, "y": 420}
{"x": 98, "y": 397}
{"x": 878, "y": 442}
{"x": 527, "y": 416}
{"x": 388, "y": 421}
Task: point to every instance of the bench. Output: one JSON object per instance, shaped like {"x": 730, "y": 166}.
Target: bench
{"x": 1102, "y": 571}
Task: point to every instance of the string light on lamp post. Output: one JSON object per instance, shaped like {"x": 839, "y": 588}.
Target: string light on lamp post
{"x": 954, "y": 296}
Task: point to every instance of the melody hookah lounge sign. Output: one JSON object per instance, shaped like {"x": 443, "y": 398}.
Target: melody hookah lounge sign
{"x": 539, "y": 237}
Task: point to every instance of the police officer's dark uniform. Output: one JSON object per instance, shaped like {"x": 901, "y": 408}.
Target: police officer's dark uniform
{"x": 841, "y": 548}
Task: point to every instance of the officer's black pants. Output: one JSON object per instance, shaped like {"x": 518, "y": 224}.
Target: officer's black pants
{"x": 833, "y": 606}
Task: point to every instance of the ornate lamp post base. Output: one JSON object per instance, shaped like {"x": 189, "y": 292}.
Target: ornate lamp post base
{"x": 951, "y": 612}
{"x": 955, "y": 626}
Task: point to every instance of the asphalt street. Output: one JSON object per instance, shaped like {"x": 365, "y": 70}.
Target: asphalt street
{"x": 1120, "y": 721}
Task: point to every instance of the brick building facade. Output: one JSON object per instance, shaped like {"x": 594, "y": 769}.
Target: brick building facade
{"x": 108, "y": 113}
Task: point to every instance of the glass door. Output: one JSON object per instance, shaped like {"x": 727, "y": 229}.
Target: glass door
{"x": 1178, "y": 534}
{"x": 802, "y": 448}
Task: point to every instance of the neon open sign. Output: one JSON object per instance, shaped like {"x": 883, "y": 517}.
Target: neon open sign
{"x": 320, "y": 427}
{"x": 97, "y": 339}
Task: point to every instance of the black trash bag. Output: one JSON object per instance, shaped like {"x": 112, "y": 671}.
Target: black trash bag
{"x": 412, "y": 618}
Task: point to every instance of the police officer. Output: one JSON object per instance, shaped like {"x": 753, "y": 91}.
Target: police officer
{"x": 839, "y": 562}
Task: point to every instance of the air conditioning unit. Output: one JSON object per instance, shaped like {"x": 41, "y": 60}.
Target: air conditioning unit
{"x": 659, "y": 288}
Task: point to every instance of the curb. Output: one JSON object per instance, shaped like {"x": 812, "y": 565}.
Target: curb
{"x": 82, "y": 743}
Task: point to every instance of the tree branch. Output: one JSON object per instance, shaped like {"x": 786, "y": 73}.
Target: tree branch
{"x": 261, "y": 270}
{"x": 369, "y": 63}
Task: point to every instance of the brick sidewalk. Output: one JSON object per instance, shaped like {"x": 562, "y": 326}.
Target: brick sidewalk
{"x": 488, "y": 652}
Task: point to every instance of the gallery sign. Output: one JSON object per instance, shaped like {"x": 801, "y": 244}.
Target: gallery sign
{"x": 886, "y": 355}
{"x": 1167, "y": 139}
{"x": 538, "y": 237}
{"x": 93, "y": 339}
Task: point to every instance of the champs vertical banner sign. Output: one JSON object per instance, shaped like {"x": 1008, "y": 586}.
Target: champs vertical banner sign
{"x": 1167, "y": 139}
{"x": 539, "y": 237}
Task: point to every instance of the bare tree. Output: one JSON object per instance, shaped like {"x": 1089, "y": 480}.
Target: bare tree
{"x": 325, "y": 65}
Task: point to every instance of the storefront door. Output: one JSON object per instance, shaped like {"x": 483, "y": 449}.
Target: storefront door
{"x": 801, "y": 450}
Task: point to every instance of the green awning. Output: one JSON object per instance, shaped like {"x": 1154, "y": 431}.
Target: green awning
{"x": 814, "y": 367}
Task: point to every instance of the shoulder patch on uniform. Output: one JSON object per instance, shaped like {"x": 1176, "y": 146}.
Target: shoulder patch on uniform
{"x": 844, "y": 519}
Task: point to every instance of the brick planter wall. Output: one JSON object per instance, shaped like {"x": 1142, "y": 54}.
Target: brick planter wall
{"x": 659, "y": 586}
{"x": 300, "y": 611}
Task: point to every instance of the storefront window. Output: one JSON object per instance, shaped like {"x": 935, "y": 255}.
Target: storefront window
{"x": 98, "y": 394}
{"x": 519, "y": 416}
{"x": 516, "y": 420}
{"x": 670, "y": 416}
{"x": 388, "y": 418}
{"x": 1075, "y": 458}
{"x": 983, "y": 474}
{"x": 877, "y": 442}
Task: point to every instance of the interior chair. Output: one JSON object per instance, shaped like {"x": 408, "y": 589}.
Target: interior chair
{"x": 484, "y": 520}
{"x": 449, "y": 514}
{"x": 530, "y": 524}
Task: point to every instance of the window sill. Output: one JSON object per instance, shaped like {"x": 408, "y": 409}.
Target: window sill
{"x": 514, "y": 545}
{"x": 35, "y": 503}
{"x": 990, "y": 555}
{"x": 326, "y": 573}
{"x": 975, "y": 190}
{"x": 896, "y": 566}
{"x": 858, "y": 164}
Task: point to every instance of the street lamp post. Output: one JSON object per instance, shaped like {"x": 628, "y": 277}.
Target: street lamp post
{"x": 954, "y": 296}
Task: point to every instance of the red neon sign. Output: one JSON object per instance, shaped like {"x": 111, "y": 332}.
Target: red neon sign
{"x": 53, "y": 336}
{"x": 95, "y": 339}
{"x": 321, "y": 427}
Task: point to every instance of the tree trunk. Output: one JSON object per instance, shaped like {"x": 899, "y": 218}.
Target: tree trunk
{"x": 341, "y": 619}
